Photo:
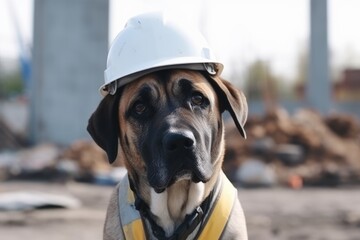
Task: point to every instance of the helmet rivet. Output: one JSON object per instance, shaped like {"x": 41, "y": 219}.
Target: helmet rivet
{"x": 210, "y": 68}
{"x": 112, "y": 88}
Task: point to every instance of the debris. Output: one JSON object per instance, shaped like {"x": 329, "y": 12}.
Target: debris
{"x": 82, "y": 161}
{"x": 322, "y": 151}
{"x": 351, "y": 219}
{"x": 25, "y": 201}
{"x": 255, "y": 173}
{"x": 89, "y": 156}
{"x": 31, "y": 163}
{"x": 92, "y": 162}
{"x": 263, "y": 146}
{"x": 344, "y": 126}
{"x": 295, "y": 181}
{"x": 38, "y": 158}
{"x": 290, "y": 154}
{"x": 68, "y": 169}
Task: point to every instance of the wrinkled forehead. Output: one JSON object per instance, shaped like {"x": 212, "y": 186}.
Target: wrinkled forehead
{"x": 169, "y": 81}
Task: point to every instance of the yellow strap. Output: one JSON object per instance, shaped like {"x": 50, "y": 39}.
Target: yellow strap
{"x": 215, "y": 224}
{"x": 135, "y": 229}
{"x": 221, "y": 213}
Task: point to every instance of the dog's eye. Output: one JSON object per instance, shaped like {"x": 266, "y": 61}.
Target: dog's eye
{"x": 197, "y": 99}
{"x": 139, "y": 107}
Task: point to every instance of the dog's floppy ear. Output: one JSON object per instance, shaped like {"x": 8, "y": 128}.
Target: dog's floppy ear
{"x": 103, "y": 125}
{"x": 232, "y": 100}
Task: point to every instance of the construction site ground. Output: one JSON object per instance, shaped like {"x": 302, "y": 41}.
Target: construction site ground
{"x": 272, "y": 213}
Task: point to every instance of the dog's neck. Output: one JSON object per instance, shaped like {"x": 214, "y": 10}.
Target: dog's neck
{"x": 170, "y": 207}
{"x": 178, "y": 200}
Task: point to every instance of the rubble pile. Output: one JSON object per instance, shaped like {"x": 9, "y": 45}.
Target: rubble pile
{"x": 91, "y": 162}
{"x": 89, "y": 156}
{"x": 305, "y": 147}
{"x": 83, "y": 161}
{"x": 38, "y": 162}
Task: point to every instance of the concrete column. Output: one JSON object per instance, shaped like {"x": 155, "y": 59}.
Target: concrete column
{"x": 69, "y": 57}
{"x": 319, "y": 85}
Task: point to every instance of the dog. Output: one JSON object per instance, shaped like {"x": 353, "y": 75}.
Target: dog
{"x": 169, "y": 126}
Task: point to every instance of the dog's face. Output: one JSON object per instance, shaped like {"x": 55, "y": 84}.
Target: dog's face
{"x": 169, "y": 125}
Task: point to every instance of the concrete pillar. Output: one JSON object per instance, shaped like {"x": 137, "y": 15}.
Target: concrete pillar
{"x": 319, "y": 85}
{"x": 69, "y": 57}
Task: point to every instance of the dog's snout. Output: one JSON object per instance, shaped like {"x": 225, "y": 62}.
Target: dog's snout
{"x": 178, "y": 141}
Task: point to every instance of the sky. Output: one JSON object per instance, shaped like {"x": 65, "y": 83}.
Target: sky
{"x": 239, "y": 31}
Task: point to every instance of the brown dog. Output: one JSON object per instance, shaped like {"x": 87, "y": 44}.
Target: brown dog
{"x": 171, "y": 136}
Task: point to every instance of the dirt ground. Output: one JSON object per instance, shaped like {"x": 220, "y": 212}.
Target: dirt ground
{"x": 276, "y": 213}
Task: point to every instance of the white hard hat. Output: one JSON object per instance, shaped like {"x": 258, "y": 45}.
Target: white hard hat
{"x": 151, "y": 42}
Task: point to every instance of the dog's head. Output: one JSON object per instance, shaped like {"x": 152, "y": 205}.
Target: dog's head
{"x": 169, "y": 125}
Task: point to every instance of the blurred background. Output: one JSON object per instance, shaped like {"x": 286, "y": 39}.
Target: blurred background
{"x": 298, "y": 63}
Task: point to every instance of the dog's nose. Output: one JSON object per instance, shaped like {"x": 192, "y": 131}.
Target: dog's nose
{"x": 178, "y": 141}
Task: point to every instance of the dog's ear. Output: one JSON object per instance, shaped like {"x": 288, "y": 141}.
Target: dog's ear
{"x": 103, "y": 125}
{"x": 232, "y": 100}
